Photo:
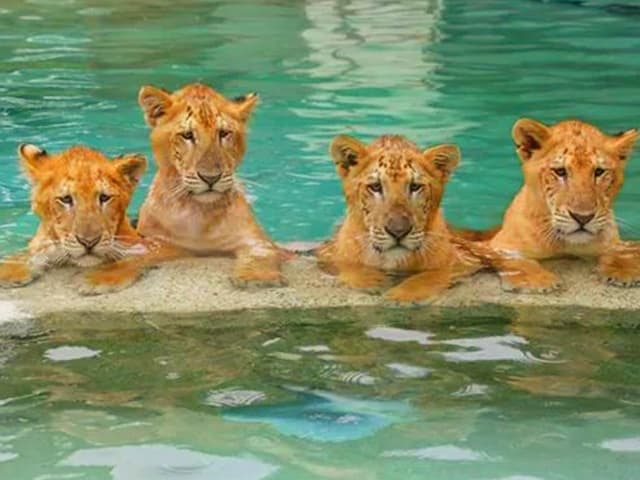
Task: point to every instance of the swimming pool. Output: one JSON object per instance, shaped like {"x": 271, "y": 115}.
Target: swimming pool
{"x": 436, "y": 71}
{"x": 320, "y": 394}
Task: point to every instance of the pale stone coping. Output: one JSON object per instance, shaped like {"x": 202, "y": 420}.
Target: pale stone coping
{"x": 201, "y": 285}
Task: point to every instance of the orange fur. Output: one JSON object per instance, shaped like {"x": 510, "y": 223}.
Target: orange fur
{"x": 475, "y": 235}
{"x": 394, "y": 224}
{"x": 81, "y": 199}
{"x": 572, "y": 175}
{"x": 195, "y": 203}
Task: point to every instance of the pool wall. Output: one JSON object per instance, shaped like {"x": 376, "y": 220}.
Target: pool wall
{"x": 202, "y": 286}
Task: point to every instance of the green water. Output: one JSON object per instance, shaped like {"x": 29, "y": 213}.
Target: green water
{"x": 338, "y": 394}
{"x": 435, "y": 70}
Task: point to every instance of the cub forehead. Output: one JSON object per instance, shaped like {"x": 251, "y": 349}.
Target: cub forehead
{"x": 204, "y": 105}
{"x": 206, "y": 115}
{"x": 396, "y": 166}
{"x": 579, "y": 156}
{"x": 84, "y": 177}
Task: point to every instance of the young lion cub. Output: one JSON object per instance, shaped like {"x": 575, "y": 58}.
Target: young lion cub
{"x": 394, "y": 223}
{"x": 572, "y": 175}
{"x": 81, "y": 199}
{"x": 195, "y": 203}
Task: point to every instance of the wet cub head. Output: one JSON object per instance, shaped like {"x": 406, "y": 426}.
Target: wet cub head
{"x": 81, "y": 198}
{"x": 393, "y": 187}
{"x": 199, "y": 136}
{"x": 577, "y": 171}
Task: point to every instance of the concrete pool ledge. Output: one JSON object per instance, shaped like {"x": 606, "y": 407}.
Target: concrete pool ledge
{"x": 194, "y": 286}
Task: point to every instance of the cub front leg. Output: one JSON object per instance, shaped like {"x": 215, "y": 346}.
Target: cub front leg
{"x": 258, "y": 266}
{"x": 111, "y": 278}
{"x": 423, "y": 286}
{"x": 524, "y": 275}
{"x": 621, "y": 266}
{"x": 116, "y": 276}
{"x": 17, "y": 271}
{"x": 360, "y": 277}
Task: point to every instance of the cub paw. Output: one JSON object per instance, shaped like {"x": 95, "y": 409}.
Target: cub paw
{"x": 404, "y": 296}
{"x": 259, "y": 279}
{"x": 621, "y": 268}
{"x": 621, "y": 279}
{"x": 538, "y": 283}
{"x": 102, "y": 282}
{"x": 15, "y": 276}
{"x": 368, "y": 281}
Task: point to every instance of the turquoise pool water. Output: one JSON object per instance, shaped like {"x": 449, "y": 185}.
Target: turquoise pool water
{"x": 434, "y": 70}
{"x": 340, "y": 394}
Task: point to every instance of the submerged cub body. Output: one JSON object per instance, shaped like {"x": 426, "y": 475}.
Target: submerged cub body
{"x": 81, "y": 199}
{"x": 572, "y": 175}
{"x": 394, "y": 224}
{"x": 195, "y": 203}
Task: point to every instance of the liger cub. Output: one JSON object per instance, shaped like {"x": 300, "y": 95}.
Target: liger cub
{"x": 195, "y": 205}
{"x": 572, "y": 175}
{"x": 81, "y": 198}
{"x": 394, "y": 225}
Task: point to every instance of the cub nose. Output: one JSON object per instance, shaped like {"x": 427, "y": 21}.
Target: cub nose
{"x": 88, "y": 243}
{"x": 209, "y": 179}
{"x": 582, "y": 219}
{"x": 398, "y": 227}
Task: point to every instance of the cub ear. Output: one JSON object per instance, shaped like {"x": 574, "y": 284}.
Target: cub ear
{"x": 131, "y": 167}
{"x": 347, "y": 153}
{"x": 445, "y": 158}
{"x": 529, "y": 135}
{"x": 624, "y": 142}
{"x": 32, "y": 159}
{"x": 245, "y": 104}
{"x": 155, "y": 102}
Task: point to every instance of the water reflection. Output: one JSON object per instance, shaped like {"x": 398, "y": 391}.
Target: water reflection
{"x": 504, "y": 347}
{"x": 362, "y": 65}
{"x": 135, "y": 462}
{"x": 449, "y": 453}
{"x": 393, "y": 334}
{"x": 67, "y": 353}
{"x": 622, "y": 445}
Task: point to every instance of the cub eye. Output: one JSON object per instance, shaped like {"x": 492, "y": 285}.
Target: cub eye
{"x": 598, "y": 172}
{"x": 224, "y": 134}
{"x": 415, "y": 187}
{"x": 560, "y": 172}
{"x": 188, "y": 135}
{"x": 66, "y": 200}
{"x": 375, "y": 187}
{"x": 104, "y": 198}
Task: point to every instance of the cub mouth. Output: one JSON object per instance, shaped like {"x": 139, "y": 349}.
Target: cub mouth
{"x": 206, "y": 196}
{"x": 397, "y": 248}
{"x": 580, "y": 235}
{"x": 88, "y": 260}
